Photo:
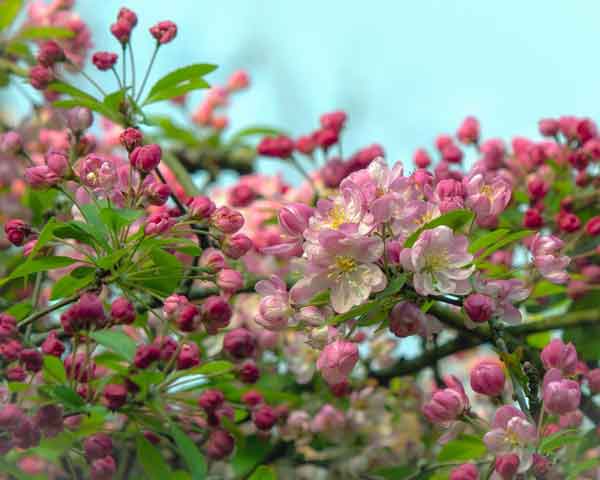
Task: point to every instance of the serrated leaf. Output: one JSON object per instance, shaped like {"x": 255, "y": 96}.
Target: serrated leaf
{"x": 42, "y": 264}
{"x": 45, "y": 33}
{"x": 116, "y": 341}
{"x": 114, "y": 100}
{"x": 20, "y": 310}
{"x": 74, "y": 281}
{"x": 354, "y": 312}
{"x": 116, "y": 219}
{"x": 177, "y": 91}
{"x": 189, "y": 451}
{"x": 513, "y": 237}
{"x": 454, "y": 219}
{"x": 179, "y": 78}
{"x": 54, "y": 370}
{"x": 465, "y": 447}
{"x": 152, "y": 460}
{"x": 488, "y": 239}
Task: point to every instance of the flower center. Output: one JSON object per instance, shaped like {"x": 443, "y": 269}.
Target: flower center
{"x": 487, "y": 191}
{"x": 345, "y": 264}
{"x": 337, "y": 217}
{"x": 436, "y": 261}
{"x": 425, "y": 218}
{"x": 92, "y": 178}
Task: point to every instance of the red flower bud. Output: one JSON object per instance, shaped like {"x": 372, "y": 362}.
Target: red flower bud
{"x": 200, "y": 207}
{"x": 209, "y": 400}
{"x": 131, "y": 138}
{"x": 219, "y": 445}
{"x": 50, "y": 53}
{"x": 241, "y": 195}
{"x": 189, "y": 356}
{"x": 103, "y": 469}
{"x": 127, "y": 15}
{"x": 479, "y": 307}
{"x": 216, "y": 314}
{"x": 239, "y": 343}
{"x": 121, "y": 30}
{"x": 97, "y": 446}
{"x": 532, "y": 218}
{"x": 164, "y": 31}
{"x": 334, "y": 120}
{"x": 104, "y": 60}
{"x": 40, "y": 77}
{"x": 146, "y": 158}
{"x": 252, "y": 398}
{"x": 264, "y": 417}
{"x": 421, "y": 158}
{"x": 52, "y": 345}
{"x": 16, "y": 231}
{"x": 488, "y": 378}
{"x": 249, "y": 372}
{"x": 237, "y": 245}
{"x": 115, "y": 395}
{"x": 592, "y": 227}
{"x": 278, "y": 147}
{"x": 145, "y": 355}
{"x": 122, "y": 311}
{"x": 31, "y": 359}
{"x": 227, "y": 220}
{"x": 569, "y": 222}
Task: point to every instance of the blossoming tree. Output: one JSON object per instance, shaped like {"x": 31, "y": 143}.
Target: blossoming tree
{"x": 155, "y": 326}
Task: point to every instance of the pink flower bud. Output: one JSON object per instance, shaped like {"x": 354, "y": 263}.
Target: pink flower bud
{"x": 131, "y": 138}
{"x": 27, "y": 434}
{"x": 127, "y": 15}
{"x": 237, "y": 245}
{"x": 238, "y": 81}
{"x": 278, "y": 147}
{"x": 210, "y": 400}
{"x": 548, "y": 127}
{"x": 167, "y": 346}
{"x": 97, "y": 172}
{"x": 479, "y": 307}
{"x": 115, "y": 396}
{"x": 407, "y": 319}
{"x": 17, "y": 231}
{"x": 97, "y": 446}
{"x": 593, "y": 379}
{"x": 16, "y": 374}
{"x": 452, "y": 154}
{"x": 252, "y": 398}
{"x": 146, "y": 158}
{"x": 159, "y": 223}
{"x": 103, "y": 469}
{"x": 334, "y": 172}
{"x": 294, "y": 217}
{"x": 164, "y": 31}
{"x": 241, "y": 195}
{"x": 306, "y": 144}
{"x": 10, "y": 417}
{"x": 49, "y": 418}
{"x": 188, "y": 318}
{"x": 155, "y": 192}
{"x": 421, "y": 158}
{"x": 541, "y": 465}
{"x": 334, "y": 120}
{"x": 40, "y": 77}
{"x": 41, "y": 177}
{"x": 58, "y": 162}
{"x": 337, "y": 360}
{"x": 274, "y": 312}
{"x": 11, "y": 143}
{"x": 122, "y": 311}
{"x": 592, "y": 227}
{"x": 79, "y": 119}
{"x": 31, "y": 359}
{"x": 569, "y": 222}
{"x": 10, "y": 350}
{"x": 560, "y": 396}
{"x": 466, "y": 471}
{"x": 468, "y": 131}
{"x": 200, "y": 207}
{"x": 145, "y": 355}
{"x": 213, "y": 259}
{"x": 216, "y": 314}
{"x": 532, "y": 218}
{"x": 487, "y": 378}
{"x": 50, "y": 53}
{"x": 52, "y": 345}
{"x": 507, "y": 466}
{"x": 326, "y": 137}
{"x": 121, "y": 30}
{"x": 189, "y": 356}
{"x": 328, "y": 420}
{"x": 230, "y": 281}
{"x": 447, "y": 404}
{"x": 239, "y": 343}
{"x": 8, "y": 326}
{"x": 249, "y": 372}
{"x": 560, "y": 356}
{"x": 227, "y": 220}
{"x": 219, "y": 445}
{"x": 264, "y": 417}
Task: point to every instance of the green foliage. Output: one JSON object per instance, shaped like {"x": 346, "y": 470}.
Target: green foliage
{"x": 152, "y": 460}
{"x": 558, "y": 440}
{"x": 463, "y": 448}
{"x": 456, "y": 219}
{"x": 43, "y": 264}
{"x": 263, "y": 472}
{"x": 179, "y": 82}
{"x": 117, "y": 342}
{"x": 45, "y": 33}
{"x": 76, "y": 280}
{"x": 54, "y": 370}
{"x": 503, "y": 242}
{"x": 189, "y": 451}
{"x": 9, "y": 11}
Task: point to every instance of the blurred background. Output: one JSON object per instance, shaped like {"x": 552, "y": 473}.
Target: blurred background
{"x": 403, "y": 71}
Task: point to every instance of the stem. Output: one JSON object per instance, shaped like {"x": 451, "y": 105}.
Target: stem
{"x": 93, "y": 82}
{"x": 123, "y": 48}
{"x": 132, "y": 70}
{"x": 34, "y": 316}
{"x": 114, "y": 70}
{"x": 139, "y": 95}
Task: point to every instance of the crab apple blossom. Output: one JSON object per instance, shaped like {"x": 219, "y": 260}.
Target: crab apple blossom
{"x": 11, "y": 143}
{"x": 104, "y": 60}
{"x": 164, "y": 32}
{"x": 146, "y": 158}
{"x": 466, "y": 471}
{"x": 560, "y": 395}
{"x": 487, "y": 378}
{"x": 337, "y": 360}
{"x": 447, "y": 404}
{"x": 40, "y": 77}
{"x": 17, "y": 231}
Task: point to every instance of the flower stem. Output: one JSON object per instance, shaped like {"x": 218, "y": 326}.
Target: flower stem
{"x": 148, "y": 70}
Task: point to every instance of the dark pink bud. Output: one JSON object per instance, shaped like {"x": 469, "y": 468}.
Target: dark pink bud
{"x": 569, "y": 222}
{"x": 449, "y": 188}
{"x": 306, "y": 144}
{"x": 334, "y": 120}
{"x": 79, "y": 119}
{"x": 576, "y": 289}
{"x": 230, "y": 281}
{"x": 541, "y": 465}
{"x": 591, "y": 273}
{"x": 200, "y": 207}
{"x": 227, "y": 220}
{"x": 537, "y": 188}
{"x": 592, "y": 227}
{"x": 406, "y": 319}
{"x": 50, "y": 53}
{"x": 121, "y": 30}
{"x": 466, "y": 471}
{"x": 334, "y": 171}
{"x": 216, "y": 314}
{"x": 249, "y": 372}
{"x": 146, "y": 158}
{"x": 586, "y": 129}
{"x": 27, "y": 434}
{"x": 241, "y": 195}
{"x": 188, "y": 318}
{"x": 252, "y": 398}
{"x": 155, "y": 192}
{"x": 41, "y": 177}
{"x": 264, "y": 417}
{"x": 213, "y": 259}
{"x": 16, "y": 374}
{"x": 532, "y": 218}
{"x": 10, "y": 417}
{"x": 8, "y": 326}
{"x": 52, "y": 345}
{"x": 167, "y": 346}
{"x": 421, "y": 158}
{"x": 278, "y": 147}
{"x": 561, "y": 396}
{"x": 131, "y": 138}
{"x": 17, "y": 231}
{"x": 468, "y": 132}
{"x": 58, "y": 162}
{"x": 238, "y": 81}
{"x": 210, "y": 400}
{"x": 189, "y": 356}
{"x": 115, "y": 395}
{"x": 32, "y": 359}
{"x": 122, "y": 311}
{"x": 103, "y": 469}
{"x": 219, "y": 445}
{"x": 488, "y": 378}
{"x": 40, "y": 77}
{"x": 10, "y": 350}
{"x": 239, "y": 343}
{"x": 479, "y": 307}
{"x": 77, "y": 368}
{"x": 127, "y": 15}
{"x": 104, "y": 60}
{"x": 164, "y": 31}
{"x": 49, "y": 419}
{"x": 593, "y": 379}
{"x": 452, "y": 154}
{"x": 11, "y": 143}
{"x": 507, "y": 466}
{"x": 548, "y": 127}
{"x": 493, "y": 153}
{"x": 159, "y": 223}
{"x": 558, "y": 355}
{"x": 145, "y": 355}
{"x": 237, "y": 245}
{"x": 326, "y": 137}
{"x": 97, "y": 446}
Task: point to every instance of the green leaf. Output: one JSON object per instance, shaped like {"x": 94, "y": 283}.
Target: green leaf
{"x": 263, "y": 473}
{"x": 181, "y": 80}
{"x": 578, "y": 468}
{"x": 539, "y": 340}
{"x": 247, "y": 457}
{"x": 488, "y": 239}
{"x": 589, "y": 440}
{"x": 465, "y": 447}
{"x": 152, "y": 460}
{"x": 190, "y": 453}
{"x": 117, "y": 342}
{"x": 63, "y": 87}
{"x": 216, "y": 367}
{"x": 513, "y": 237}
{"x": 119, "y": 218}
{"x": 354, "y": 312}
{"x": 45, "y": 33}
{"x": 9, "y": 11}
{"x": 394, "y": 286}
{"x": 44, "y": 237}
{"x": 54, "y": 369}
{"x": 93, "y": 105}
{"x": 67, "y": 396}
{"x": 396, "y": 473}
{"x": 173, "y": 131}
{"x": 558, "y": 440}
{"x": 76, "y": 280}
{"x": 82, "y": 232}
{"x": 255, "y": 130}
{"x": 18, "y": 387}
{"x": 42, "y": 264}
{"x": 544, "y": 288}
{"x": 20, "y": 310}
{"x": 454, "y": 219}
{"x": 113, "y": 101}
{"x": 164, "y": 277}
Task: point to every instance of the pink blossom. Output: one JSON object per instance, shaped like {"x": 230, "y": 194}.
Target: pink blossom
{"x": 504, "y": 293}
{"x": 158, "y": 222}
{"x": 466, "y": 471}
{"x": 559, "y": 356}
{"x": 486, "y": 199}
{"x": 328, "y": 420}
{"x": 440, "y": 262}
{"x": 448, "y": 404}
{"x": 413, "y": 216}
{"x": 97, "y": 172}
{"x": 487, "y": 378}
{"x": 337, "y": 360}
{"x": 468, "y": 131}
{"x": 560, "y": 395}
{"x": 407, "y": 319}
{"x": 547, "y": 259}
{"x": 41, "y": 177}
{"x": 274, "y": 308}
{"x": 164, "y": 32}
